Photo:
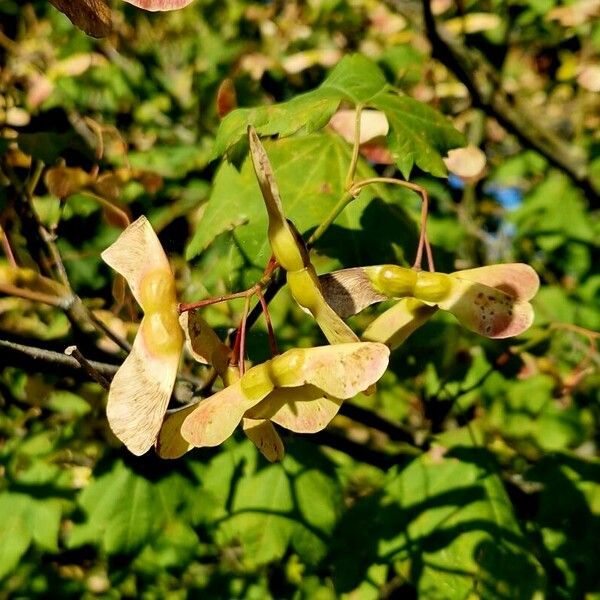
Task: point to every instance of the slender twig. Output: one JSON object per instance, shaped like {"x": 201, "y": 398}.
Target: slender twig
{"x": 588, "y": 333}
{"x": 371, "y": 419}
{"x": 44, "y": 241}
{"x": 271, "y": 333}
{"x": 358, "y": 451}
{"x": 242, "y": 335}
{"x": 55, "y": 358}
{"x": 7, "y": 248}
{"x": 355, "y": 149}
{"x": 58, "y": 301}
{"x": 108, "y": 332}
{"x": 87, "y": 366}
{"x": 423, "y": 239}
{"x": 108, "y": 205}
{"x": 218, "y": 299}
{"x": 341, "y": 204}
{"x": 34, "y": 178}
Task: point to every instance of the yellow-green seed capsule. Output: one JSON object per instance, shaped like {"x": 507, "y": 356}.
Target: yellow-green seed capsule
{"x": 304, "y": 285}
{"x": 157, "y": 290}
{"x": 286, "y": 369}
{"x": 162, "y": 333}
{"x": 257, "y": 383}
{"x": 432, "y": 287}
{"x": 285, "y": 247}
{"x": 393, "y": 281}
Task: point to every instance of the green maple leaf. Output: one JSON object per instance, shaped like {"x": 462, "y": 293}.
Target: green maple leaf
{"x": 418, "y": 135}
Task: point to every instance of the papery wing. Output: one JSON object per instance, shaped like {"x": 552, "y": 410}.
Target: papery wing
{"x": 203, "y": 343}
{"x": 349, "y": 291}
{"x": 156, "y": 5}
{"x": 394, "y": 325}
{"x": 303, "y": 410}
{"x": 136, "y": 252}
{"x": 170, "y": 443}
{"x": 139, "y": 393}
{"x": 341, "y": 370}
{"x": 487, "y": 310}
{"x": 215, "y": 419}
{"x": 265, "y": 437}
{"x": 515, "y": 279}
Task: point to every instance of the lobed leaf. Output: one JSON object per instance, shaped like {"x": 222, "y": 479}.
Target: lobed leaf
{"x": 355, "y": 79}
{"x": 419, "y": 135}
{"x": 310, "y": 174}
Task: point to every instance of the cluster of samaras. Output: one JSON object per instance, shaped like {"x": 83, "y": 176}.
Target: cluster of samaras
{"x": 302, "y": 389}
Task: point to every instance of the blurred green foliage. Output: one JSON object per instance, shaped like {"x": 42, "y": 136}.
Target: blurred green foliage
{"x": 479, "y": 476}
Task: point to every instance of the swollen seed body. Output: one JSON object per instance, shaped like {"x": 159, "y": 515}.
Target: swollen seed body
{"x": 285, "y": 247}
{"x": 257, "y": 382}
{"x": 162, "y": 332}
{"x": 286, "y": 369}
{"x": 157, "y": 291}
{"x": 304, "y": 286}
{"x": 392, "y": 280}
{"x": 160, "y": 325}
{"x": 432, "y": 287}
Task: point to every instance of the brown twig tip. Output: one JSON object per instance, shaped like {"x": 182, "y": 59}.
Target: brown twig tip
{"x": 74, "y": 352}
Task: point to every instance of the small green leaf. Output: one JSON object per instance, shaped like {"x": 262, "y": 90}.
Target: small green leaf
{"x": 355, "y": 79}
{"x": 15, "y": 535}
{"x": 288, "y": 504}
{"x": 419, "y": 135}
{"x": 122, "y": 511}
{"x": 67, "y": 403}
{"x": 447, "y": 525}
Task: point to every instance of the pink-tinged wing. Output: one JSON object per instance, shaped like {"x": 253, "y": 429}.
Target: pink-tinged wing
{"x": 487, "y": 310}
{"x": 135, "y": 253}
{"x": 515, "y": 279}
{"x": 333, "y": 328}
{"x": 215, "y": 419}
{"x": 140, "y": 391}
{"x": 303, "y": 409}
{"x": 170, "y": 442}
{"x": 349, "y": 291}
{"x": 264, "y": 436}
{"x": 398, "y": 322}
{"x": 203, "y": 343}
{"x": 159, "y": 5}
{"x": 341, "y": 371}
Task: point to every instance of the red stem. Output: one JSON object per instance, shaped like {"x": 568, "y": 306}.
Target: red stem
{"x": 271, "y": 332}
